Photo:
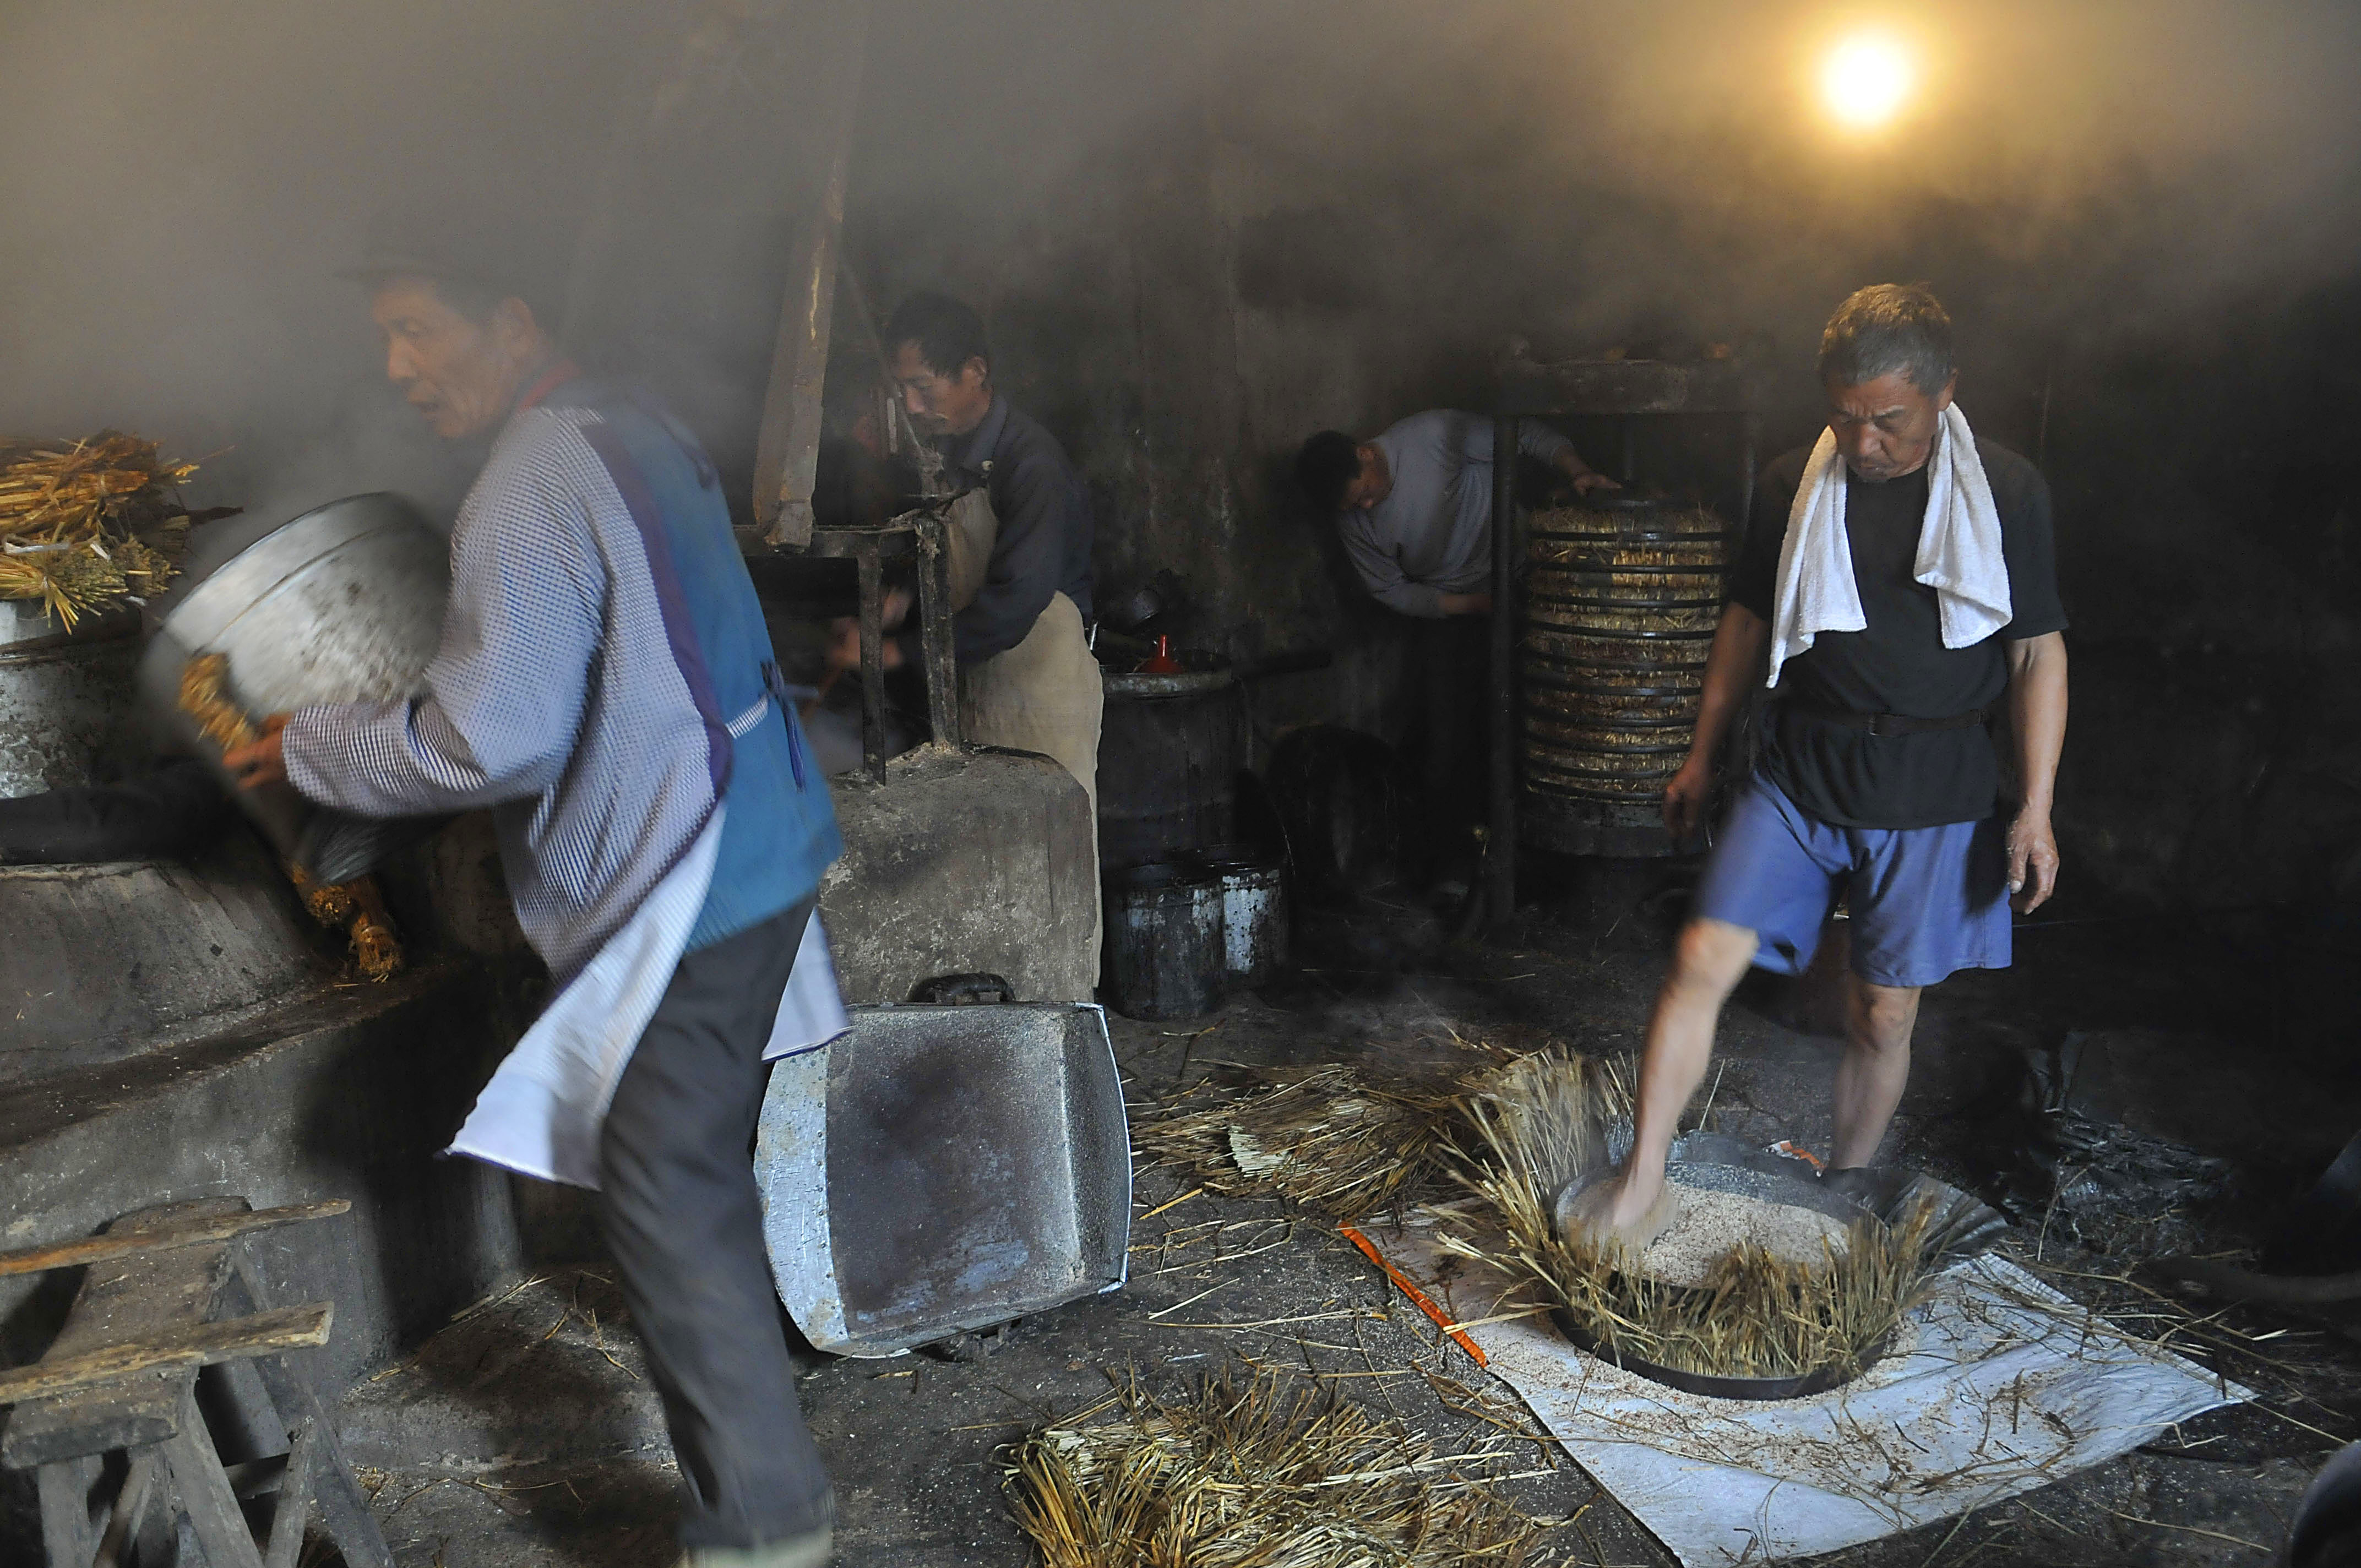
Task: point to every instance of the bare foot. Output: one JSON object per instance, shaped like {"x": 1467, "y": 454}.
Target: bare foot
{"x": 1615, "y": 1208}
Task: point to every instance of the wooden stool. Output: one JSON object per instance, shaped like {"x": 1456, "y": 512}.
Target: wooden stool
{"x": 169, "y": 1291}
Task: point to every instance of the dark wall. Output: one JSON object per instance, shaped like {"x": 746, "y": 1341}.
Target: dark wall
{"x": 1183, "y": 310}
{"x": 1202, "y": 231}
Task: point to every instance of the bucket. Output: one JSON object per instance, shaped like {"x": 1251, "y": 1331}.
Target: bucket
{"x": 344, "y": 604}
{"x": 1254, "y": 910}
{"x": 1166, "y": 954}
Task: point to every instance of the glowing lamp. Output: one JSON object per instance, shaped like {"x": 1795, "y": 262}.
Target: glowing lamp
{"x": 1865, "y": 80}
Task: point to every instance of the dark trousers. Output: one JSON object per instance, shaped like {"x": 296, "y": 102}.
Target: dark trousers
{"x": 1449, "y": 743}
{"x": 685, "y": 1223}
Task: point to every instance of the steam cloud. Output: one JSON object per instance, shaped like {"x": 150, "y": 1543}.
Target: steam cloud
{"x": 1407, "y": 184}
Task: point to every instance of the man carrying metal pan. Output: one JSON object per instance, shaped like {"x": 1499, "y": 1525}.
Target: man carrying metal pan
{"x": 605, "y": 685}
{"x": 1898, "y": 586}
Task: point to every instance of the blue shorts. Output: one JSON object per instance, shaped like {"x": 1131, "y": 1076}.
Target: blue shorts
{"x": 1926, "y": 901}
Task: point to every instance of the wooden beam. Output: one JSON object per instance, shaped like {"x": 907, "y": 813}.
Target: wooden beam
{"x": 199, "y": 1344}
{"x": 190, "y": 1232}
{"x": 786, "y": 444}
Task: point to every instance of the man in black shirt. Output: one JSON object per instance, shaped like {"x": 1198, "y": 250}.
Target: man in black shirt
{"x": 1020, "y": 565}
{"x": 1900, "y": 576}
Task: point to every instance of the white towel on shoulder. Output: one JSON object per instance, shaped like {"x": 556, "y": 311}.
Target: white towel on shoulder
{"x": 1959, "y": 553}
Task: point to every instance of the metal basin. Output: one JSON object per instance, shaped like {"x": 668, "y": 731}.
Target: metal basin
{"x": 942, "y": 1168}
{"x": 344, "y": 604}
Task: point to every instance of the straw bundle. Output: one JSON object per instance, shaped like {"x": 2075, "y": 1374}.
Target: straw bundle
{"x": 1349, "y": 1140}
{"x": 354, "y": 907}
{"x": 357, "y": 909}
{"x": 1753, "y": 1315}
{"x": 85, "y": 523}
{"x": 1267, "y": 1473}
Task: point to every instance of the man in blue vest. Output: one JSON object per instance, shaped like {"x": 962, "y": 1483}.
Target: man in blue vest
{"x": 605, "y": 685}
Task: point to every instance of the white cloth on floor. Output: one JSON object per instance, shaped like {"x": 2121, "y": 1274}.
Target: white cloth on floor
{"x": 1997, "y": 1385}
{"x": 1959, "y": 553}
{"x": 542, "y": 1112}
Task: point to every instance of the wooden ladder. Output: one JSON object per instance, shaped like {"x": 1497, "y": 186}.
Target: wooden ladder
{"x": 109, "y": 1417}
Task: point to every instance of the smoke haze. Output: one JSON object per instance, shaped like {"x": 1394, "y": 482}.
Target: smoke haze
{"x": 1414, "y": 183}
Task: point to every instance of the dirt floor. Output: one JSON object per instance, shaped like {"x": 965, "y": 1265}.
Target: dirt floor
{"x": 526, "y": 1433}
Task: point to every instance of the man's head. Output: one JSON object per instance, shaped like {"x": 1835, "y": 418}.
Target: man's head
{"x": 941, "y": 364}
{"x": 1885, "y": 362}
{"x": 1341, "y": 475}
{"x": 460, "y": 351}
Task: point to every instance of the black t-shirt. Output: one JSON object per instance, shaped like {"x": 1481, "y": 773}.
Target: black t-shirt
{"x": 1898, "y": 663}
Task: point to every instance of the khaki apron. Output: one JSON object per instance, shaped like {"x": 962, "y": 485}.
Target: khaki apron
{"x": 1043, "y": 694}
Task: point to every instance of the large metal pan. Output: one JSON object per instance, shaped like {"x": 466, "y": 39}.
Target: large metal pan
{"x": 941, "y": 1169}
{"x": 344, "y": 604}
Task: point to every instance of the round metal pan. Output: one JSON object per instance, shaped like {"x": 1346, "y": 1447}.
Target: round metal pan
{"x": 342, "y": 604}
{"x": 1716, "y": 1162}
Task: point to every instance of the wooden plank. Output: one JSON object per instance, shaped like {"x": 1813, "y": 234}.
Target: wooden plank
{"x": 120, "y": 1242}
{"x": 126, "y": 1300}
{"x": 935, "y": 630}
{"x": 196, "y": 1345}
{"x": 52, "y": 1432}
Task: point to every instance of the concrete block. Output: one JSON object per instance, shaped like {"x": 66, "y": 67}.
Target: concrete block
{"x": 346, "y": 1093}
{"x": 105, "y": 962}
{"x": 959, "y": 864}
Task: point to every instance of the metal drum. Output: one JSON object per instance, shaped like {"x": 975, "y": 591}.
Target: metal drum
{"x": 1166, "y": 953}
{"x": 344, "y": 604}
{"x": 1170, "y": 751}
{"x": 935, "y": 1169}
{"x": 1622, "y": 598}
{"x": 66, "y": 711}
{"x": 1254, "y": 909}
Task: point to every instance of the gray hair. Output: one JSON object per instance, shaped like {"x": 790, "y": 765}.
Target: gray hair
{"x": 1884, "y": 328}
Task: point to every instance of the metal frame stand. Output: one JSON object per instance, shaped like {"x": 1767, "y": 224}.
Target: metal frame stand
{"x": 1627, "y": 390}
{"x": 919, "y": 536}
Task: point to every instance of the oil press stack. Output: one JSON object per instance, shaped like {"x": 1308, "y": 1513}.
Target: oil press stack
{"x": 1608, "y": 607}
{"x": 1621, "y": 596}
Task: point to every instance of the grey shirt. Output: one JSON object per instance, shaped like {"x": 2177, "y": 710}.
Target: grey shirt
{"x": 1432, "y": 535}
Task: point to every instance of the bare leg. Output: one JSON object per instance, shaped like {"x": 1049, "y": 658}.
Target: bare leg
{"x": 1708, "y": 964}
{"x": 1878, "y": 1022}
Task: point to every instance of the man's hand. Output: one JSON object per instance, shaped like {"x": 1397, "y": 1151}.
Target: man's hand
{"x": 2032, "y": 861}
{"x": 1468, "y": 604}
{"x": 844, "y": 634}
{"x": 260, "y": 762}
{"x": 1686, "y": 798}
{"x": 1580, "y": 475}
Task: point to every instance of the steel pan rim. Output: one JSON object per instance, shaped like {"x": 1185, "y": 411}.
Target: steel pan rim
{"x": 375, "y": 512}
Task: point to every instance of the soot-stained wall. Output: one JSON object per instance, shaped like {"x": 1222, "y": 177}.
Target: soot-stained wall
{"x": 1182, "y": 315}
